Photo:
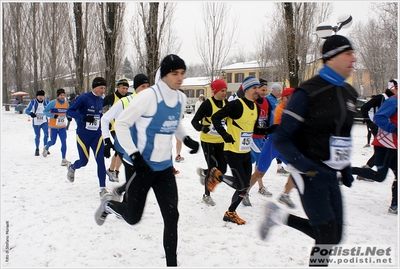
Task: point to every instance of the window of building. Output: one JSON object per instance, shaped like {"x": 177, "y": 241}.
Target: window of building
{"x": 229, "y": 77}
{"x": 199, "y": 91}
{"x": 239, "y": 77}
{"x": 252, "y": 74}
{"x": 189, "y": 93}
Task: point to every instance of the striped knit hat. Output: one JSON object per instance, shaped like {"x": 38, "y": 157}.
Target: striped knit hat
{"x": 250, "y": 82}
{"x": 334, "y": 45}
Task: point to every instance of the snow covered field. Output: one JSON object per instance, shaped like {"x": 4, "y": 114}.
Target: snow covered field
{"x": 46, "y": 221}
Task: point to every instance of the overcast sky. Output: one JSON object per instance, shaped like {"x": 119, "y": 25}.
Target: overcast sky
{"x": 251, "y": 16}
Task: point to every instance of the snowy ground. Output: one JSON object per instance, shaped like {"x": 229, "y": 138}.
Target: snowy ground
{"x": 47, "y": 221}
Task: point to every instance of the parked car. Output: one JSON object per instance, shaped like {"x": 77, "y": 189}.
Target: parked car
{"x": 358, "y": 116}
{"x": 189, "y": 109}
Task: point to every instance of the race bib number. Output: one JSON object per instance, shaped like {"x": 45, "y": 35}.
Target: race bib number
{"x": 162, "y": 148}
{"x": 93, "y": 126}
{"x": 340, "y": 152}
{"x": 262, "y": 122}
{"x": 39, "y": 119}
{"x": 213, "y": 131}
{"x": 245, "y": 141}
{"x": 61, "y": 121}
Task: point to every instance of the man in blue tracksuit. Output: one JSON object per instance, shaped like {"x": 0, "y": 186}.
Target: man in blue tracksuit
{"x": 39, "y": 120}
{"x": 87, "y": 111}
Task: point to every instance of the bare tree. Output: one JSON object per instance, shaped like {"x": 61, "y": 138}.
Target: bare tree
{"x": 376, "y": 44}
{"x": 377, "y": 54}
{"x": 195, "y": 70}
{"x": 5, "y": 48}
{"x": 388, "y": 17}
{"x": 292, "y": 60}
{"x": 289, "y": 45}
{"x": 80, "y": 47}
{"x": 152, "y": 36}
{"x": 112, "y": 15}
{"x": 214, "y": 44}
{"x": 16, "y": 50}
{"x": 35, "y": 54}
{"x": 94, "y": 53}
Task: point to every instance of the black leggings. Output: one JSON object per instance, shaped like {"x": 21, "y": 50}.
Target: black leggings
{"x": 385, "y": 158}
{"x": 324, "y": 234}
{"x": 241, "y": 166}
{"x": 164, "y": 186}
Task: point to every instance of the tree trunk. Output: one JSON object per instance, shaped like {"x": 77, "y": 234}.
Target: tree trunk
{"x": 18, "y": 56}
{"x": 34, "y": 47}
{"x": 293, "y": 64}
{"x": 80, "y": 48}
{"x": 152, "y": 44}
{"x": 5, "y": 98}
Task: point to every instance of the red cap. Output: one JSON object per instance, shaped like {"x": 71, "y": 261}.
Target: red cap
{"x": 287, "y": 91}
{"x": 218, "y": 85}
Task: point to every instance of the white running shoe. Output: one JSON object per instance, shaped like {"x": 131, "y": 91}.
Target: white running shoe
{"x": 64, "y": 162}
{"x": 71, "y": 173}
{"x": 179, "y": 159}
{"x": 45, "y": 152}
{"x": 285, "y": 199}
{"x": 265, "y": 192}
{"x": 112, "y": 175}
{"x": 101, "y": 213}
{"x": 208, "y": 200}
{"x": 246, "y": 200}
{"x": 270, "y": 210}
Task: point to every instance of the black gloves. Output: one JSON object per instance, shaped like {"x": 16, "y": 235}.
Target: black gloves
{"x": 205, "y": 129}
{"x": 56, "y": 116}
{"x": 108, "y": 145}
{"x": 32, "y": 114}
{"x": 346, "y": 176}
{"x": 271, "y": 129}
{"x": 373, "y": 127}
{"x": 88, "y": 118}
{"x": 190, "y": 143}
{"x": 69, "y": 119}
{"x": 228, "y": 138}
{"x": 140, "y": 165}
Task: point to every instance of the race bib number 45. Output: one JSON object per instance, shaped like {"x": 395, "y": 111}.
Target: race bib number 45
{"x": 245, "y": 141}
{"x": 340, "y": 152}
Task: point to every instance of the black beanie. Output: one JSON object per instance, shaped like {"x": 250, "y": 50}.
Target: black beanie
{"x": 98, "y": 81}
{"x": 171, "y": 63}
{"x": 60, "y": 91}
{"x": 123, "y": 81}
{"x": 335, "y": 45}
{"x": 140, "y": 79}
{"x": 40, "y": 92}
{"x": 263, "y": 82}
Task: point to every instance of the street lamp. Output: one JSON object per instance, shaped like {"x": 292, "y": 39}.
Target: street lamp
{"x": 324, "y": 29}
{"x": 223, "y": 74}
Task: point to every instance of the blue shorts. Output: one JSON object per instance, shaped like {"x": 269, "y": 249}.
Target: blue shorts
{"x": 268, "y": 153}
{"x": 258, "y": 144}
